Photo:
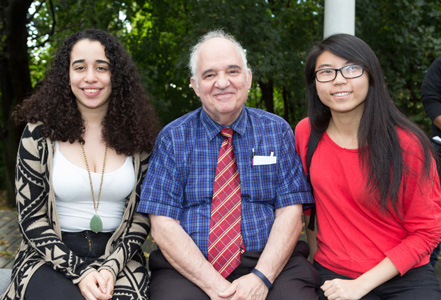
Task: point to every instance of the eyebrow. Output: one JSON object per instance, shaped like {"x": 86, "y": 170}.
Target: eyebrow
{"x": 100, "y": 61}
{"x": 229, "y": 67}
{"x": 329, "y": 66}
{"x": 323, "y": 66}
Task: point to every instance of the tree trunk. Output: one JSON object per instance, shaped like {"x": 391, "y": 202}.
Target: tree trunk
{"x": 267, "y": 89}
{"x": 15, "y": 79}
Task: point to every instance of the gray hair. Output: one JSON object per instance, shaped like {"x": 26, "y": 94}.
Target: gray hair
{"x": 218, "y": 33}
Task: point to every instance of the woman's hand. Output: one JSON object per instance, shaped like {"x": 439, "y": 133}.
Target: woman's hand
{"x": 349, "y": 289}
{"x": 94, "y": 287}
{"x": 343, "y": 289}
{"x": 109, "y": 279}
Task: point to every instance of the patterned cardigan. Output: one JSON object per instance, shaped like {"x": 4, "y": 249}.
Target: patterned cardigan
{"x": 40, "y": 228}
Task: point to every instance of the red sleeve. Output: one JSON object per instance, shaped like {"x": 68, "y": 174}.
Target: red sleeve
{"x": 420, "y": 207}
{"x": 302, "y": 132}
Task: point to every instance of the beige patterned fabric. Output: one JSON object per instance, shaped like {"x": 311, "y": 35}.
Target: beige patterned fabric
{"x": 38, "y": 223}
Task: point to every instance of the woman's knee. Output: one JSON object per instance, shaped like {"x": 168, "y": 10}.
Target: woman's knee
{"x": 48, "y": 284}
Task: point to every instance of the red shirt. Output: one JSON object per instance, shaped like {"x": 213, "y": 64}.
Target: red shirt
{"x": 354, "y": 235}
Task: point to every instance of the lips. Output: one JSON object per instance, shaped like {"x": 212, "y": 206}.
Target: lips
{"x": 222, "y": 96}
{"x": 341, "y": 94}
{"x": 91, "y": 92}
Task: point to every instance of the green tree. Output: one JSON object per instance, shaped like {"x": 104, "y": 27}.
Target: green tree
{"x": 15, "y": 80}
{"x": 406, "y": 36}
{"x": 29, "y": 33}
{"x": 276, "y": 35}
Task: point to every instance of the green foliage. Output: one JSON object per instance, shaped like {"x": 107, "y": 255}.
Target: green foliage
{"x": 156, "y": 42}
{"x": 275, "y": 34}
{"x": 51, "y": 21}
{"x": 406, "y": 36}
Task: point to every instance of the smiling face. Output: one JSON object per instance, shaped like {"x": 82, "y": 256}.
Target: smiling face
{"x": 89, "y": 74}
{"x": 222, "y": 81}
{"x": 341, "y": 95}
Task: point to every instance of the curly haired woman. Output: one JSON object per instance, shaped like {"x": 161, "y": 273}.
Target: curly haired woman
{"x": 80, "y": 166}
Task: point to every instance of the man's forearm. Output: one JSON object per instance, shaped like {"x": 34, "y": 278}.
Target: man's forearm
{"x": 281, "y": 242}
{"x": 183, "y": 254}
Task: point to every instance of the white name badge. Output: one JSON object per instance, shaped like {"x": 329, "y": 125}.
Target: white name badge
{"x": 259, "y": 160}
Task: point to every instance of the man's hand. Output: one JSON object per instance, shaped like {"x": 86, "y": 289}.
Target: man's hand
{"x": 248, "y": 287}
{"x": 171, "y": 239}
{"x": 94, "y": 287}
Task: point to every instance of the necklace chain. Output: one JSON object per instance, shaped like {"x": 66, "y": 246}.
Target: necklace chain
{"x": 95, "y": 205}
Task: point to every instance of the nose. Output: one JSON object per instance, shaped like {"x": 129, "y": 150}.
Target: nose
{"x": 222, "y": 81}
{"x": 339, "y": 79}
{"x": 90, "y": 75}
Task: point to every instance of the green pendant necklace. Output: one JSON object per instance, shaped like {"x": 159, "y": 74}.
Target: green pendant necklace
{"x": 96, "y": 224}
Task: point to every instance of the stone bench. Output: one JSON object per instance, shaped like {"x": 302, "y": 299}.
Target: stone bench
{"x": 5, "y": 278}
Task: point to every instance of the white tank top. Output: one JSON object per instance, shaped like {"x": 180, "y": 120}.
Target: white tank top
{"x": 74, "y": 198}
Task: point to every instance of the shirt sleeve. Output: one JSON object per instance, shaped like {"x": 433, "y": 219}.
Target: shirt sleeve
{"x": 293, "y": 187}
{"x": 32, "y": 195}
{"x": 420, "y": 210}
{"x": 162, "y": 190}
{"x": 431, "y": 90}
{"x": 302, "y": 132}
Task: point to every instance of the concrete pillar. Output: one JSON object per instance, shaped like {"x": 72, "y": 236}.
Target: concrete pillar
{"x": 339, "y": 17}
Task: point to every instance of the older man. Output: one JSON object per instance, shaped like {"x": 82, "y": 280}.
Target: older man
{"x": 224, "y": 192}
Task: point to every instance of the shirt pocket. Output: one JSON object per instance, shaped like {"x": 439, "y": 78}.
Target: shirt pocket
{"x": 263, "y": 183}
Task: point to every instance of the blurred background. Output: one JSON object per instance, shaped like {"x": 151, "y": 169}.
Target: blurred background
{"x": 277, "y": 35}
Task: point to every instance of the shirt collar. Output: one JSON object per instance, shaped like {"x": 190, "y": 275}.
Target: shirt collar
{"x": 213, "y": 128}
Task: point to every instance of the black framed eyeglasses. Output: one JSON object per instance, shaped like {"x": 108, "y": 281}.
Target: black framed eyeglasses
{"x": 348, "y": 72}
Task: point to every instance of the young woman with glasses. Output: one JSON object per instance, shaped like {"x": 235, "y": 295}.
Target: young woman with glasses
{"x": 374, "y": 179}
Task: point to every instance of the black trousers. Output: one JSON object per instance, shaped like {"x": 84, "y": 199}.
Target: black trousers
{"x": 48, "y": 284}
{"x": 418, "y": 283}
{"x": 298, "y": 280}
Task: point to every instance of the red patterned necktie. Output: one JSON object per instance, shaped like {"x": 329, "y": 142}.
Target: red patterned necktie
{"x": 225, "y": 238}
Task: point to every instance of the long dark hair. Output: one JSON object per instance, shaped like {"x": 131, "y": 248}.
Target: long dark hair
{"x": 130, "y": 124}
{"x": 380, "y": 152}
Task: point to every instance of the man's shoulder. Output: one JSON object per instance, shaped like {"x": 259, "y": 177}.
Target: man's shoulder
{"x": 186, "y": 122}
{"x": 434, "y": 71}
{"x": 264, "y": 117}
{"x": 437, "y": 62}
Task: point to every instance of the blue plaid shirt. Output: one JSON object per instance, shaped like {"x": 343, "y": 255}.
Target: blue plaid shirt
{"x": 179, "y": 180}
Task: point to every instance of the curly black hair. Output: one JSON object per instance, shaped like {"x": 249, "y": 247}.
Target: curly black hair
{"x": 130, "y": 125}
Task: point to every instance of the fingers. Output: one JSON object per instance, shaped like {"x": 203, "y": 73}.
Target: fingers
{"x": 91, "y": 287}
{"x": 90, "y": 292}
{"x": 229, "y": 291}
{"x": 249, "y": 287}
{"x": 328, "y": 289}
{"x": 110, "y": 287}
{"x": 109, "y": 281}
{"x": 102, "y": 284}
{"x": 342, "y": 289}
